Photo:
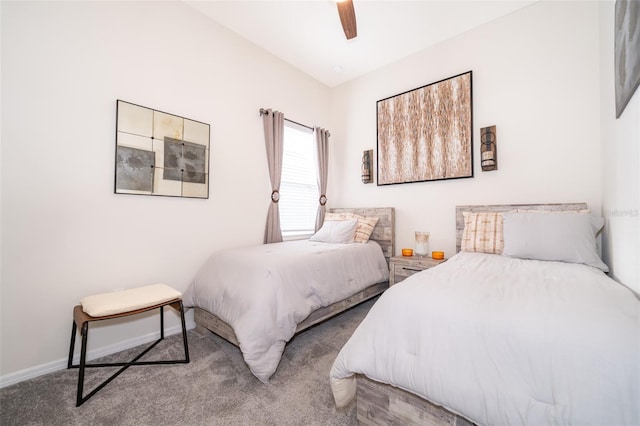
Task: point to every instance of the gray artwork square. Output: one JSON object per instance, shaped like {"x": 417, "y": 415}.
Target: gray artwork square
{"x": 134, "y": 169}
{"x": 184, "y": 161}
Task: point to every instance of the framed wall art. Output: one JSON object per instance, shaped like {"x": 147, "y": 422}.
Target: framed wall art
{"x": 627, "y": 51}
{"x": 160, "y": 154}
{"x": 426, "y": 134}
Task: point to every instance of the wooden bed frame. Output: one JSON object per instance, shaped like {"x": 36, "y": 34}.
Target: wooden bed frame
{"x": 384, "y": 404}
{"x": 383, "y": 234}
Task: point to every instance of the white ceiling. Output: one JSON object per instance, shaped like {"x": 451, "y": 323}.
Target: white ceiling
{"x": 308, "y": 35}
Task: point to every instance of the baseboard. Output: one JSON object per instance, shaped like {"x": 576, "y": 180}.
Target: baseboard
{"x": 61, "y": 364}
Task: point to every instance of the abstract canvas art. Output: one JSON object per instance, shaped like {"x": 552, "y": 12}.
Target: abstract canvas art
{"x": 426, "y": 134}
{"x": 160, "y": 154}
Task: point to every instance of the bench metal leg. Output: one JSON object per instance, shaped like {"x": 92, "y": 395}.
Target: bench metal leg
{"x": 73, "y": 343}
{"x": 184, "y": 334}
{"x": 80, "y": 399}
{"x": 83, "y": 364}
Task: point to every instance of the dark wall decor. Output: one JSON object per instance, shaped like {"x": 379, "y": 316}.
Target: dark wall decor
{"x": 367, "y": 175}
{"x": 160, "y": 154}
{"x": 627, "y": 51}
{"x": 488, "y": 148}
{"x": 427, "y": 133}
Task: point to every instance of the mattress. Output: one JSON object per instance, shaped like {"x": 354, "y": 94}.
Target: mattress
{"x": 500, "y": 340}
{"x": 264, "y": 291}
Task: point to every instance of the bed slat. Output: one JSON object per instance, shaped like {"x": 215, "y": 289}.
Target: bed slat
{"x": 382, "y": 404}
{"x": 224, "y": 330}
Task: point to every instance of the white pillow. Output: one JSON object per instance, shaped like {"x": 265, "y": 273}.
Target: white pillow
{"x": 364, "y": 228}
{"x": 558, "y": 236}
{"x": 336, "y": 231}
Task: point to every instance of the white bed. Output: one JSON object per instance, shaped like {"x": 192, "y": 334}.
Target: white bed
{"x": 258, "y": 297}
{"x": 497, "y": 340}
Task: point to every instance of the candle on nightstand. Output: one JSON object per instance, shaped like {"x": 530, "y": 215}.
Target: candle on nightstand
{"x": 437, "y": 255}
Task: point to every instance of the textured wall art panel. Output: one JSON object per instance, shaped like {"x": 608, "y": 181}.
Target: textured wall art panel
{"x": 160, "y": 154}
{"x": 427, "y": 133}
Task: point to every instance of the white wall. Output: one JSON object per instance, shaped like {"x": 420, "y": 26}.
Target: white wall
{"x": 620, "y": 165}
{"x": 535, "y": 76}
{"x": 65, "y": 234}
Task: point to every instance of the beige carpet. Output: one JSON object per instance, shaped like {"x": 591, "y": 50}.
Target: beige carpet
{"x": 216, "y": 388}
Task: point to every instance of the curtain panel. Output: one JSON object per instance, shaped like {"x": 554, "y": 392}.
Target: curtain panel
{"x": 273, "y": 122}
{"x": 322, "y": 156}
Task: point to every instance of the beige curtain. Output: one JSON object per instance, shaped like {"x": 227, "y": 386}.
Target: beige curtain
{"x": 273, "y": 122}
{"x": 322, "y": 156}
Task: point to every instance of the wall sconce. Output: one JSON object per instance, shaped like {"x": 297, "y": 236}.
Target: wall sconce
{"x": 488, "y": 149}
{"x": 367, "y": 177}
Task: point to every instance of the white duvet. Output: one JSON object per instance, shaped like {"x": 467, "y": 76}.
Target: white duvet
{"x": 504, "y": 341}
{"x": 264, "y": 291}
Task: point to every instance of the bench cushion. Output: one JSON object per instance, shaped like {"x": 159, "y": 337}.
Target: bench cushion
{"x": 117, "y": 302}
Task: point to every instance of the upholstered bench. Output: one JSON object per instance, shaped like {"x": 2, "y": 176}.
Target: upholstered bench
{"x": 120, "y": 304}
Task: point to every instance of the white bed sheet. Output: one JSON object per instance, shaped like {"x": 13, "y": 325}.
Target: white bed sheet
{"x": 264, "y": 291}
{"x": 504, "y": 341}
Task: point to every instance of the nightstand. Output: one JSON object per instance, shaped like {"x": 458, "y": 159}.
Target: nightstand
{"x": 401, "y": 267}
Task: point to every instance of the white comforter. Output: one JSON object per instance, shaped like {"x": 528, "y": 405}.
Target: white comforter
{"x": 504, "y": 341}
{"x": 264, "y": 291}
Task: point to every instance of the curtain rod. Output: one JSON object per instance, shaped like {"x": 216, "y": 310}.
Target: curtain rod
{"x": 264, "y": 111}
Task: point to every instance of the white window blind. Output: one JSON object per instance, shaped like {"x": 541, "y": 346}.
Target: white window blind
{"x": 298, "y": 188}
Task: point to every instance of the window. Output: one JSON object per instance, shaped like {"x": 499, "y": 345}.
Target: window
{"x": 299, "y": 184}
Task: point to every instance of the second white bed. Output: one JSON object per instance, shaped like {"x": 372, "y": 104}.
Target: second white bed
{"x": 500, "y": 340}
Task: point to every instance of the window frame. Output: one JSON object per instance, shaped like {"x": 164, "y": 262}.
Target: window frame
{"x": 312, "y": 202}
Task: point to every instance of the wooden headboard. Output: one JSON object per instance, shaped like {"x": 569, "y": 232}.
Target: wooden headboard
{"x": 385, "y": 231}
{"x": 559, "y": 207}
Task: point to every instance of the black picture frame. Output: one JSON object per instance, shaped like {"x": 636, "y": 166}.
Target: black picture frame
{"x": 160, "y": 154}
{"x": 426, "y": 134}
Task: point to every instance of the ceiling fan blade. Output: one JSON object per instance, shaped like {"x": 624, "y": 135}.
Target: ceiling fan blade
{"x": 348, "y": 18}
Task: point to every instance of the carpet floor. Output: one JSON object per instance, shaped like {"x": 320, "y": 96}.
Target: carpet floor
{"x": 215, "y": 388}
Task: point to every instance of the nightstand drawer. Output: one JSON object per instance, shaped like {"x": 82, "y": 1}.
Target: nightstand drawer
{"x": 403, "y": 271}
{"x": 402, "y": 267}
